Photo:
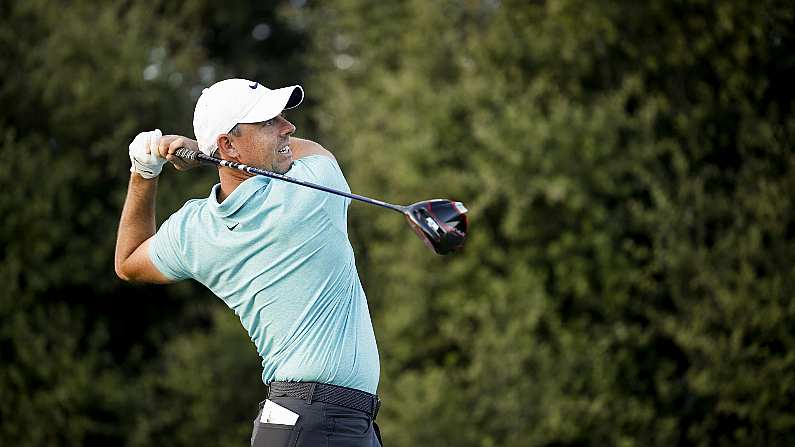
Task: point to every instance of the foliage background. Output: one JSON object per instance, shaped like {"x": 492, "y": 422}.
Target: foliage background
{"x": 629, "y": 168}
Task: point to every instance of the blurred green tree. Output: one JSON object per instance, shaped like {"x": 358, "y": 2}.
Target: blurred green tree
{"x": 629, "y": 169}
{"x": 86, "y": 358}
{"x": 78, "y": 82}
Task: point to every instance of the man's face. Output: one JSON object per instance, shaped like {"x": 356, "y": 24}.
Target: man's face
{"x": 265, "y": 145}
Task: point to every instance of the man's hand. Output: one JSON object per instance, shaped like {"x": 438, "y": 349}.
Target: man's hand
{"x": 144, "y": 157}
{"x": 169, "y": 144}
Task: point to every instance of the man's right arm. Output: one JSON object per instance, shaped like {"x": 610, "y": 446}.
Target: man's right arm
{"x": 137, "y": 225}
{"x": 136, "y": 228}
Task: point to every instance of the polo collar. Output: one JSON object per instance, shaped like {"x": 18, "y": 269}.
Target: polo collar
{"x": 239, "y": 196}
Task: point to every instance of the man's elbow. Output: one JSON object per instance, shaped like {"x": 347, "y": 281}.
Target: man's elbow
{"x": 123, "y": 274}
{"x": 136, "y": 272}
{"x": 137, "y": 267}
{"x": 126, "y": 271}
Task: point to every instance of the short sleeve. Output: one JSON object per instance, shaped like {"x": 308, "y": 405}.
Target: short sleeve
{"x": 166, "y": 249}
{"x": 325, "y": 171}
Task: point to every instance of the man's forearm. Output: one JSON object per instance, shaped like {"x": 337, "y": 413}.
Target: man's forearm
{"x": 137, "y": 222}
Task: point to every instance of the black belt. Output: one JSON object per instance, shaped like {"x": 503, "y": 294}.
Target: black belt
{"x": 330, "y": 394}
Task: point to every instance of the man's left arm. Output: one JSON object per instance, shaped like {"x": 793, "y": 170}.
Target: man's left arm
{"x": 304, "y": 148}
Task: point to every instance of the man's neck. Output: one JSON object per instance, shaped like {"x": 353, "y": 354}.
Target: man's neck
{"x": 230, "y": 180}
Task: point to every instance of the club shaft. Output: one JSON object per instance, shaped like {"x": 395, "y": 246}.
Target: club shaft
{"x": 188, "y": 154}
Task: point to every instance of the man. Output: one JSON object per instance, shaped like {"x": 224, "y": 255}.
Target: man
{"x": 276, "y": 253}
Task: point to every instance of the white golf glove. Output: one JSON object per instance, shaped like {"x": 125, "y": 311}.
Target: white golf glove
{"x": 145, "y": 159}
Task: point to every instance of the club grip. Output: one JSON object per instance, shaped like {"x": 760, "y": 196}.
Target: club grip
{"x": 186, "y": 154}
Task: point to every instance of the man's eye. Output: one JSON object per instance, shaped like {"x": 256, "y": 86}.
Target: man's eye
{"x": 269, "y": 122}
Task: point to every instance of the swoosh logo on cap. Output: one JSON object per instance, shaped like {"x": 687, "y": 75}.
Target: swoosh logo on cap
{"x": 253, "y": 86}
{"x": 233, "y": 226}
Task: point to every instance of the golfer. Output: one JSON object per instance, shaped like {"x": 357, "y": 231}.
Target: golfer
{"x": 276, "y": 253}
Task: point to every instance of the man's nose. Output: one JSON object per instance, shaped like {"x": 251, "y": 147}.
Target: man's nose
{"x": 287, "y": 128}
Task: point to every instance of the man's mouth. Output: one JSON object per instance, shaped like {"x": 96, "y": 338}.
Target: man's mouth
{"x": 284, "y": 150}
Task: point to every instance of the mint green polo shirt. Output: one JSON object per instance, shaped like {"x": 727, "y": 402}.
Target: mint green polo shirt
{"x": 278, "y": 255}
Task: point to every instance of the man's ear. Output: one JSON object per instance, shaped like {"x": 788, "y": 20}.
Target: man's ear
{"x": 226, "y": 148}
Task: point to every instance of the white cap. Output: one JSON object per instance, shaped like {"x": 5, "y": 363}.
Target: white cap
{"x": 226, "y": 103}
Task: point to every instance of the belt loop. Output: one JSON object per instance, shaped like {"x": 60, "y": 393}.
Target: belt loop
{"x": 311, "y": 393}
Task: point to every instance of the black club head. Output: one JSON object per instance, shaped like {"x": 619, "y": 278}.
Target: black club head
{"x": 440, "y": 223}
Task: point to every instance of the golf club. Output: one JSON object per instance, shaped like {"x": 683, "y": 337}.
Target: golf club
{"x": 440, "y": 223}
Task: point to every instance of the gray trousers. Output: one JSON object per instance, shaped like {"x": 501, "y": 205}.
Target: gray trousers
{"x": 319, "y": 424}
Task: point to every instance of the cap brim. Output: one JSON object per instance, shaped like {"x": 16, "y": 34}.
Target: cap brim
{"x": 273, "y": 103}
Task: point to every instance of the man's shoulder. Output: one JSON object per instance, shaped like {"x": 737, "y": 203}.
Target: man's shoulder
{"x": 317, "y": 168}
{"x": 192, "y": 205}
{"x": 189, "y": 209}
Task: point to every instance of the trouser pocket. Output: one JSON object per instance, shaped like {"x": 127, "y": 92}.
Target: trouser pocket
{"x": 351, "y": 425}
{"x": 274, "y": 435}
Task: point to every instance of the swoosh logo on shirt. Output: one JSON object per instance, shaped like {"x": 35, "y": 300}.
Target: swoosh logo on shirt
{"x": 233, "y": 226}
{"x": 253, "y": 86}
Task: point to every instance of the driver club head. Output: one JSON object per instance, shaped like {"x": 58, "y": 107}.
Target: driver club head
{"x": 440, "y": 223}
